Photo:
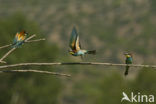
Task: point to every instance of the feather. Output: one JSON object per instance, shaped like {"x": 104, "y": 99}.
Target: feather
{"x": 19, "y": 39}
{"x": 78, "y": 43}
{"x": 126, "y": 72}
{"x": 74, "y": 43}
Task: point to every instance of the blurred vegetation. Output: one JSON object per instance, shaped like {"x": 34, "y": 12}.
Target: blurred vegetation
{"x": 109, "y": 26}
{"x": 27, "y": 88}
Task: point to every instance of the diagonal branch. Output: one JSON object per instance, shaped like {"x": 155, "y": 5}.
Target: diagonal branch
{"x": 1, "y": 60}
{"x": 78, "y": 63}
{"x": 36, "y": 40}
{"x": 11, "y": 50}
{"x": 5, "y": 46}
{"x": 30, "y": 41}
{"x": 36, "y": 71}
{"x": 32, "y": 36}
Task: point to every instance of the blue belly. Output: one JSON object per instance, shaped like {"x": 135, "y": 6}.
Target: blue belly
{"x": 79, "y": 53}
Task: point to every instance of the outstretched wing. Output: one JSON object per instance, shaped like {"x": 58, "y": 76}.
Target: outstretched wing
{"x": 74, "y": 43}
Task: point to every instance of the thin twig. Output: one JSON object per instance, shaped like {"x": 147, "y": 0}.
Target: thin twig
{"x": 30, "y": 41}
{"x": 36, "y": 40}
{"x": 36, "y": 71}
{"x": 3, "y": 62}
{"x": 32, "y": 36}
{"x": 5, "y": 46}
{"x": 78, "y": 63}
{"x": 11, "y": 50}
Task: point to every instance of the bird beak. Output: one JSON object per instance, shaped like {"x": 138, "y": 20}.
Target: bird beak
{"x": 71, "y": 52}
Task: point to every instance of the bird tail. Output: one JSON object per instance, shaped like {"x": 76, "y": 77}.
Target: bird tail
{"x": 91, "y": 52}
{"x": 126, "y": 72}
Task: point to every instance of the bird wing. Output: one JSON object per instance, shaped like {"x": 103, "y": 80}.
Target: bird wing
{"x": 74, "y": 43}
{"x": 21, "y": 37}
{"x": 128, "y": 60}
{"x": 16, "y": 38}
{"x": 78, "y": 46}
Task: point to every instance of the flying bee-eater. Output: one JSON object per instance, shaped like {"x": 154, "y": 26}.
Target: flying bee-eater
{"x": 75, "y": 46}
{"x": 19, "y": 39}
{"x": 128, "y": 60}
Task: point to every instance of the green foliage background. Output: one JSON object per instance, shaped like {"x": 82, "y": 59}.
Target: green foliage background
{"x": 111, "y": 27}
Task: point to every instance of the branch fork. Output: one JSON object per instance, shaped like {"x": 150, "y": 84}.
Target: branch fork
{"x": 28, "y": 40}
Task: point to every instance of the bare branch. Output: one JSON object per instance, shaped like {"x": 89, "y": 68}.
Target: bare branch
{"x": 36, "y": 40}
{"x": 5, "y": 46}
{"x": 79, "y": 63}
{"x": 1, "y": 60}
{"x": 11, "y": 50}
{"x": 29, "y": 41}
{"x": 36, "y": 71}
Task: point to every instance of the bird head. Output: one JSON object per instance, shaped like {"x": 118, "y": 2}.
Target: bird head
{"x": 71, "y": 52}
{"x": 23, "y": 32}
{"x": 128, "y": 55}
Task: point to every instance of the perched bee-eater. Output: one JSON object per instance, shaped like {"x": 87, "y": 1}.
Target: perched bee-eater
{"x": 128, "y": 61}
{"x": 19, "y": 39}
{"x": 75, "y": 47}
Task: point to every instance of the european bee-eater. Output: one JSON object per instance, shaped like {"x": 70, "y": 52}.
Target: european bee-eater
{"x": 128, "y": 61}
{"x": 76, "y": 46}
{"x": 19, "y": 39}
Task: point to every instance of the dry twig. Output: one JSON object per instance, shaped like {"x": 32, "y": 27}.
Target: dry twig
{"x": 11, "y": 50}
{"x": 36, "y": 40}
{"x": 36, "y": 71}
{"x": 30, "y": 41}
{"x": 78, "y": 63}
